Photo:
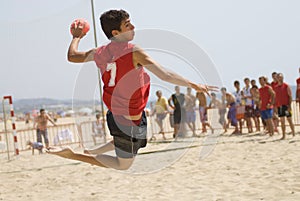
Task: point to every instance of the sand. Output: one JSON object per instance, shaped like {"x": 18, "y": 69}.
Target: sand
{"x": 212, "y": 167}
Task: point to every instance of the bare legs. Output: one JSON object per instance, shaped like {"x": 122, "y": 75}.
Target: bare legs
{"x": 270, "y": 126}
{"x": 96, "y": 157}
{"x": 98, "y": 135}
{"x": 256, "y": 123}
{"x": 249, "y": 124}
{"x": 192, "y": 127}
{"x": 176, "y": 129}
{"x": 282, "y": 122}
{"x": 160, "y": 124}
{"x": 101, "y": 149}
{"x": 70, "y": 154}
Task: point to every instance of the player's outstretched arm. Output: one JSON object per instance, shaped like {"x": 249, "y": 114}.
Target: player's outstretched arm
{"x": 140, "y": 58}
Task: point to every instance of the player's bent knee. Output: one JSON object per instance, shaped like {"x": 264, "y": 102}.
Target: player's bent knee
{"x": 125, "y": 163}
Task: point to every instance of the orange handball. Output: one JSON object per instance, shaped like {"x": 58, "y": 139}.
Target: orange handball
{"x": 83, "y": 22}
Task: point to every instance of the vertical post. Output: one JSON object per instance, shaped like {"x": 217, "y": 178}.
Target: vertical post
{"x": 98, "y": 70}
{"x": 5, "y": 127}
{"x": 12, "y": 115}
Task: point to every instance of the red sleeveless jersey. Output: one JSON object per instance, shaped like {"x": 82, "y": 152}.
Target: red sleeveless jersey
{"x": 298, "y": 86}
{"x": 274, "y": 84}
{"x": 282, "y": 97}
{"x": 126, "y": 88}
{"x": 265, "y": 97}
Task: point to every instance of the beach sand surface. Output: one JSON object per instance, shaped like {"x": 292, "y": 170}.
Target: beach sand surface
{"x": 211, "y": 167}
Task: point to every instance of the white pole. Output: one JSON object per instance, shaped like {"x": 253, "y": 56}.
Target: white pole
{"x": 99, "y": 74}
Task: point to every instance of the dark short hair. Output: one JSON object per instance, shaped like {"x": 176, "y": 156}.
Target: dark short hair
{"x": 254, "y": 87}
{"x": 42, "y": 110}
{"x": 111, "y": 20}
{"x": 98, "y": 116}
{"x": 246, "y": 79}
{"x": 263, "y": 78}
{"x": 223, "y": 89}
{"x": 213, "y": 94}
{"x": 236, "y": 82}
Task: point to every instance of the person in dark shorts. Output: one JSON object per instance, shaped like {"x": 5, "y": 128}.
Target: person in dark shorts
{"x": 41, "y": 125}
{"x": 126, "y": 88}
{"x": 221, "y": 106}
{"x": 283, "y": 103}
{"x": 229, "y": 99}
{"x": 190, "y": 103}
{"x": 129, "y": 136}
{"x": 176, "y": 102}
{"x": 256, "y": 110}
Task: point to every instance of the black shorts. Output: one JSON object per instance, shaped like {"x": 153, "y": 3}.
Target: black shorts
{"x": 40, "y": 133}
{"x": 283, "y": 111}
{"x": 179, "y": 116}
{"x": 249, "y": 111}
{"x": 128, "y": 138}
{"x": 256, "y": 112}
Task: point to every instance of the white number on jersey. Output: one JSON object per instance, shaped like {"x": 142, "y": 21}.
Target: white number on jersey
{"x": 112, "y": 67}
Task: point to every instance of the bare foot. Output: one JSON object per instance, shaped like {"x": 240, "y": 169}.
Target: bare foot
{"x": 62, "y": 152}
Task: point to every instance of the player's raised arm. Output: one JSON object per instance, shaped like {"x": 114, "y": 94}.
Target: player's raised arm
{"x": 76, "y": 56}
{"x": 140, "y": 58}
{"x": 78, "y": 31}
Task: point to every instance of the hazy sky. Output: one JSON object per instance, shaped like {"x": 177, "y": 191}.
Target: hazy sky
{"x": 243, "y": 39}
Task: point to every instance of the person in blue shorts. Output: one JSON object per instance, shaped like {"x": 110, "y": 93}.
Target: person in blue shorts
{"x": 190, "y": 102}
{"x": 231, "y": 116}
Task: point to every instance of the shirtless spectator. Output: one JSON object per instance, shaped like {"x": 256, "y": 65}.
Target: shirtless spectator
{"x": 41, "y": 124}
{"x": 267, "y": 100}
{"x": 283, "y": 103}
{"x": 202, "y": 109}
{"x": 221, "y": 106}
{"x": 97, "y": 129}
{"x": 231, "y": 116}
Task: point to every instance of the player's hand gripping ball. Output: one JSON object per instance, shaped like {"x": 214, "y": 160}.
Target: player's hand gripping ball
{"x": 80, "y": 23}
